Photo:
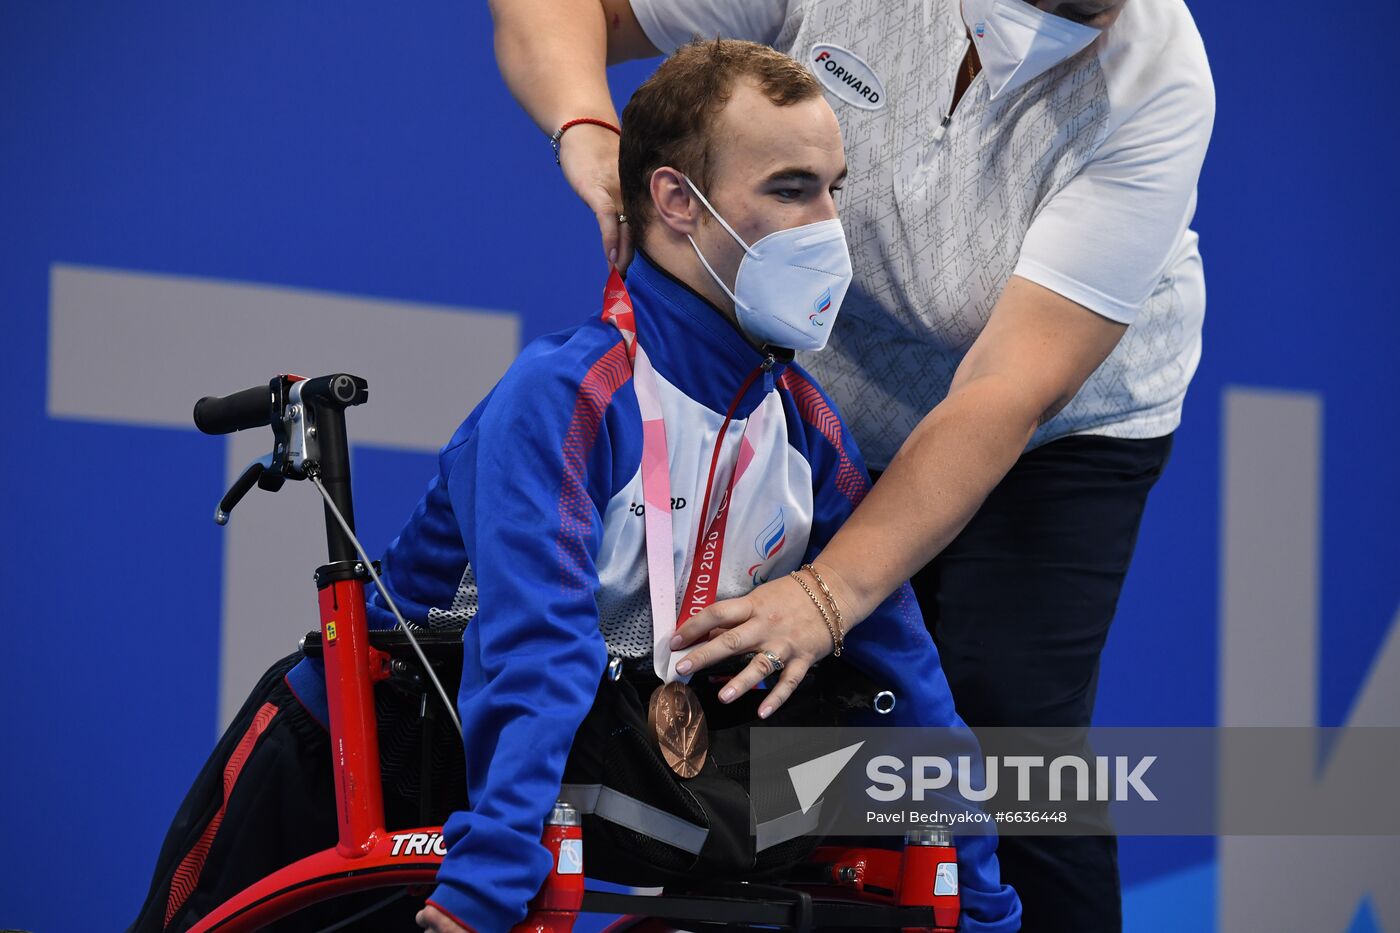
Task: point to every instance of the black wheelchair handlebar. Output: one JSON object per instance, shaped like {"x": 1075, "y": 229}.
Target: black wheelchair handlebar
{"x": 251, "y": 408}
{"x": 307, "y": 417}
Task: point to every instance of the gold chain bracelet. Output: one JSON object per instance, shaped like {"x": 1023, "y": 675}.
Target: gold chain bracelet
{"x": 835, "y": 609}
{"x": 816, "y": 601}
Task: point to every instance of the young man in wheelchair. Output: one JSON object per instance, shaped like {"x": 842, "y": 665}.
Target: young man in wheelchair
{"x": 547, "y": 540}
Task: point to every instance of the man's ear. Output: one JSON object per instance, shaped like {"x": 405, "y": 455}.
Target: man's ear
{"x": 675, "y": 205}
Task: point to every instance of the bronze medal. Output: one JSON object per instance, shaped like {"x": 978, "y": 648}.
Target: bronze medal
{"x": 675, "y": 716}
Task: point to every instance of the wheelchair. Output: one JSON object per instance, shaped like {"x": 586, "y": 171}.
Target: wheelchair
{"x": 833, "y": 887}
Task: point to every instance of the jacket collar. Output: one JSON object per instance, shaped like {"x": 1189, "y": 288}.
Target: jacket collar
{"x": 692, "y": 345}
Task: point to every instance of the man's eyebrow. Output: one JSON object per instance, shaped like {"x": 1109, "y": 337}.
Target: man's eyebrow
{"x": 797, "y": 174}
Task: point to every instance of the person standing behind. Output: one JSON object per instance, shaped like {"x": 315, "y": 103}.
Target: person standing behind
{"x": 1016, "y": 347}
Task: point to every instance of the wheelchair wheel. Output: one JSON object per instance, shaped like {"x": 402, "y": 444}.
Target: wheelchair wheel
{"x": 371, "y": 911}
{"x": 642, "y": 925}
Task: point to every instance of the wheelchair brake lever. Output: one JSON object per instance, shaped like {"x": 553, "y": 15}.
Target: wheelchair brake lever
{"x": 255, "y": 474}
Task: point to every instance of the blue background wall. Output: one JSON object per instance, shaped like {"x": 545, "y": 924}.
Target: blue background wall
{"x": 372, "y": 149}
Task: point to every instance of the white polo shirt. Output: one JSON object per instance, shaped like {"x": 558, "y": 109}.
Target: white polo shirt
{"x": 1083, "y": 180}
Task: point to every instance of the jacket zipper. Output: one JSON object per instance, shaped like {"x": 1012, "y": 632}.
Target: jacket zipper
{"x": 942, "y": 129}
{"x": 766, "y": 367}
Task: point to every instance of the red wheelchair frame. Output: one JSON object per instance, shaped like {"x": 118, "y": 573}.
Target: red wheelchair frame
{"x": 837, "y": 887}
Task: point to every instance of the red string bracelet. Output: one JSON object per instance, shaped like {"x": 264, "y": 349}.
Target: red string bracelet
{"x": 559, "y": 133}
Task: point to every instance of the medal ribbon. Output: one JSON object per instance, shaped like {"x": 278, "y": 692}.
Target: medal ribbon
{"x": 708, "y": 555}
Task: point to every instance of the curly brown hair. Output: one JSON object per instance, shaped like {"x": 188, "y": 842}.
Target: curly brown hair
{"x": 669, "y": 119}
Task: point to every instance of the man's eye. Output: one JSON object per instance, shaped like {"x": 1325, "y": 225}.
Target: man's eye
{"x": 836, "y": 188}
{"x": 789, "y": 194}
{"x": 1083, "y": 16}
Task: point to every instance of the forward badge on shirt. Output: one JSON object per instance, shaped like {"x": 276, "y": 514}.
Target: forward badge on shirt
{"x": 845, "y": 74}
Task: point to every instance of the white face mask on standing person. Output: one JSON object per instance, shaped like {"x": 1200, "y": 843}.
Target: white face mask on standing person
{"x": 790, "y": 283}
{"x": 1017, "y": 42}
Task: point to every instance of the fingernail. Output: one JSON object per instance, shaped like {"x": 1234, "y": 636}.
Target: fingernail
{"x": 683, "y": 667}
{"x": 727, "y": 694}
{"x": 765, "y": 712}
{"x": 612, "y": 256}
{"x": 675, "y": 642}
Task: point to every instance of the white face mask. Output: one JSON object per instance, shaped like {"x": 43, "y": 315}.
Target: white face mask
{"x": 790, "y": 283}
{"x": 1017, "y": 42}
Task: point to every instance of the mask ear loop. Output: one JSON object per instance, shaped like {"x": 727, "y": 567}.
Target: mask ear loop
{"x": 722, "y": 222}
{"x": 728, "y": 229}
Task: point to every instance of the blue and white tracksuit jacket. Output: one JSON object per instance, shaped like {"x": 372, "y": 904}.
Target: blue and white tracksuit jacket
{"x": 533, "y": 531}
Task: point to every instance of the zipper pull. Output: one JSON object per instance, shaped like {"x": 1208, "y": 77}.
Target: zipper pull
{"x": 942, "y": 129}
{"x": 767, "y": 367}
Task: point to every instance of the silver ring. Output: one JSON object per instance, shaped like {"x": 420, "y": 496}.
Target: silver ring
{"x": 774, "y": 660}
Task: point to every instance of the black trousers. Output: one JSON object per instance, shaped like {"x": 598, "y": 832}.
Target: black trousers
{"x": 1019, "y": 605}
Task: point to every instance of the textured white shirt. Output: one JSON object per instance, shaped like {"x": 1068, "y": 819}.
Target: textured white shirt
{"x": 1083, "y": 180}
